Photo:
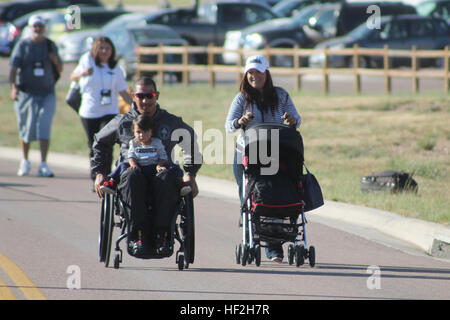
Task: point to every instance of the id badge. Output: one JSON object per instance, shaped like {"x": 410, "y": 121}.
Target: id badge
{"x": 38, "y": 69}
{"x": 105, "y": 97}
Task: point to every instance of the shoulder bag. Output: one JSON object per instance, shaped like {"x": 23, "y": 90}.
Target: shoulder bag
{"x": 73, "y": 98}
{"x": 312, "y": 193}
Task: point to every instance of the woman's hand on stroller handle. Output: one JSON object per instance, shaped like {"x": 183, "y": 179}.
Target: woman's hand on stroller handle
{"x": 191, "y": 180}
{"x": 246, "y": 119}
{"x": 289, "y": 119}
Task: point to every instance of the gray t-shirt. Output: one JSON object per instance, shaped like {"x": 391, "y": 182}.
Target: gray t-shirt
{"x": 35, "y": 72}
{"x": 147, "y": 155}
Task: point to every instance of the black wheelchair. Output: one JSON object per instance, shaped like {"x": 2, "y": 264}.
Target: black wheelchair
{"x": 182, "y": 229}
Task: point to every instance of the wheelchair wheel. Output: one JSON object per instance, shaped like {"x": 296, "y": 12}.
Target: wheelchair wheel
{"x": 117, "y": 261}
{"x": 181, "y": 262}
{"x": 188, "y": 229}
{"x": 291, "y": 253}
{"x": 106, "y": 228}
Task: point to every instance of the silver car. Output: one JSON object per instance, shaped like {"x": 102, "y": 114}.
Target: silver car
{"x": 72, "y": 45}
{"x": 127, "y": 39}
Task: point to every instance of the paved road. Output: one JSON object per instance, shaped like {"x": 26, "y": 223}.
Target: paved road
{"x": 49, "y": 235}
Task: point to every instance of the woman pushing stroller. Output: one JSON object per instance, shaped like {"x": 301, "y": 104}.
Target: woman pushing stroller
{"x": 259, "y": 101}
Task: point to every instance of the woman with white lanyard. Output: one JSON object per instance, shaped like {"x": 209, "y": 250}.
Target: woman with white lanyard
{"x": 101, "y": 81}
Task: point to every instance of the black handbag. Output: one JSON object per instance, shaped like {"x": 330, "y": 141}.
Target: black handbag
{"x": 312, "y": 193}
{"x": 73, "y": 98}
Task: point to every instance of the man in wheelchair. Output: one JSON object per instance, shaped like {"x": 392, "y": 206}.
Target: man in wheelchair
{"x": 148, "y": 218}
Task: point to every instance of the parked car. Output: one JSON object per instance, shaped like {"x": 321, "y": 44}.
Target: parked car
{"x": 127, "y": 39}
{"x": 267, "y": 2}
{"x": 437, "y": 8}
{"x": 213, "y": 19}
{"x": 310, "y": 27}
{"x": 352, "y": 14}
{"x": 280, "y": 33}
{"x": 72, "y": 45}
{"x": 12, "y": 10}
{"x": 208, "y": 24}
{"x": 398, "y": 32}
{"x": 289, "y": 8}
{"x": 58, "y": 23}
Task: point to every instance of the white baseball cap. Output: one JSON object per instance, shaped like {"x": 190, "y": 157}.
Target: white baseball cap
{"x": 36, "y": 19}
{"x": 259, "y": 63}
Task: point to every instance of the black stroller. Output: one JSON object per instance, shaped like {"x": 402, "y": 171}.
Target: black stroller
{"x": 272, "y": 209}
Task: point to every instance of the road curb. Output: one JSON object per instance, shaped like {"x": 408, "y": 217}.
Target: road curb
{"x": 422, "y": 234}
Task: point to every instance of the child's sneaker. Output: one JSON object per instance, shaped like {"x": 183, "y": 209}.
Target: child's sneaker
{"x": 138, "y": 247}
{"x": 185, "y": 189}
{"x": 24, "y": 168}
{"x": 109, "y": 187}
{"x": 162, "y": 245}
{"x": 44, "y": 171}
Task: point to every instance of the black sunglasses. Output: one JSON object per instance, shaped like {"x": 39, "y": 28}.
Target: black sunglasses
{"x": 143, "y": 95}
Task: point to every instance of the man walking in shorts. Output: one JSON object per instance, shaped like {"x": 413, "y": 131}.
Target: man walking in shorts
{"x": 32, "y": 82}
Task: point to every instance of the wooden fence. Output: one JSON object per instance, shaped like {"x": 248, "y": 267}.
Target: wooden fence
{"x": 297, "y": 71}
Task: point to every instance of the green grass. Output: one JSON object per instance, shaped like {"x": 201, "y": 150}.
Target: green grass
{"x": 345, "y": 137}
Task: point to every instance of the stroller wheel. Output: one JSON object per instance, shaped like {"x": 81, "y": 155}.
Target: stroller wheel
{"x": 291, "y": 253}
{"x": 251, "y": 255}
{"x": 257, "y": 255}
{"x": 312, "y": 256}
{"x": 238, "y": 252}
{"x": 244, "y": 254}
{"x": 299, "y": 255}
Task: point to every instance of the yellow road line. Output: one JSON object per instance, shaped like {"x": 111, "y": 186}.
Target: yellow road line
{"x": 5, "y": 293}
{"x": 22, "y": 281}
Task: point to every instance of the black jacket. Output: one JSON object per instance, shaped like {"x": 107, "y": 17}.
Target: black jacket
{"x": 169, "y": 128}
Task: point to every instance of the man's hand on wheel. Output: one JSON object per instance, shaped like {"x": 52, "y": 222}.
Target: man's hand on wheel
{"x": 99, "y": 180}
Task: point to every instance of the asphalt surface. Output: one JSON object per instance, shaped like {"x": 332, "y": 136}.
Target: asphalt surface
{"x": 406, "y": 233}
{"x": 49, "y": 235}
{"x": 386, "y": 227}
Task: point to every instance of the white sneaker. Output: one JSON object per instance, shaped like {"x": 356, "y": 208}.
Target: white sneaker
{"x": 277, "y": 259}
{"x": 24, "y": 168}
{"x": 44, "y": 171}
